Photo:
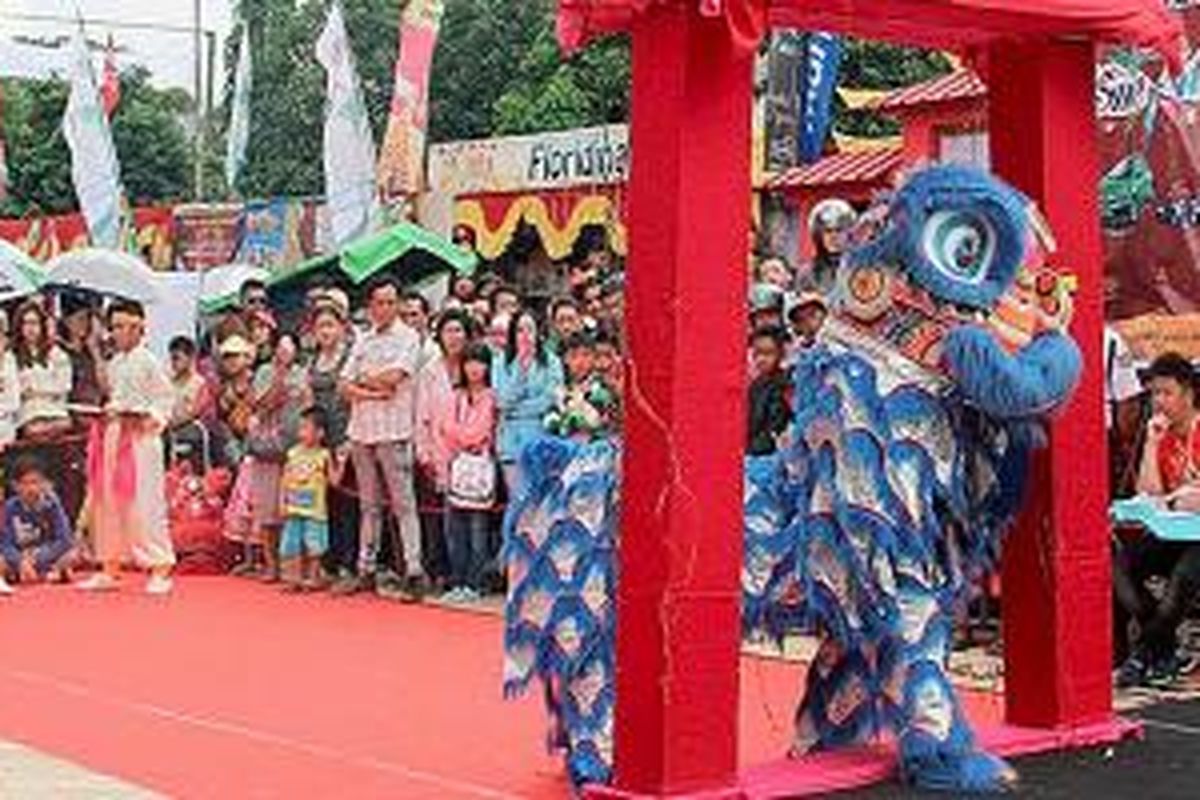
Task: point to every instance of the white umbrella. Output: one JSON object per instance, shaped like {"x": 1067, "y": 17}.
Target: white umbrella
{"x": 20, "y": 275}
{"x": 109, "y": 272}
{"x": 219, "y": 286}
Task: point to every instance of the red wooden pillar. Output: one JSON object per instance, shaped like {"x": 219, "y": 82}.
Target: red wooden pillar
{"x": 678, "y": 629}
{"x": 1057, "y": 570}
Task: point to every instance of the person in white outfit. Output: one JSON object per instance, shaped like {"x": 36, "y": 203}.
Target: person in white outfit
{"x": 125, "y": 460}
{"x": 10, "y": 389}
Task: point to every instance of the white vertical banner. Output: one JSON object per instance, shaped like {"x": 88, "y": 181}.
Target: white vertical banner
{"x": 238, "y": 135}
{"x": 3, "y": 157}
{"x": 94, "y": 168}
{"x": 349, "y": 157}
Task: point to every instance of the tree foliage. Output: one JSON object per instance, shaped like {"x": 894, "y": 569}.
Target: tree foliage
{"x": 151, "y": 143}
{"x": 496, "y": 70}
{"x": 481, "y": 50}
{"x": 287, "y": 99}
{"x": 874, "y": 65}
{"x": 549, "y": 93}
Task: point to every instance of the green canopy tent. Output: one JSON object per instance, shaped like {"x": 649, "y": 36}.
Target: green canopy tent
{"x": 409, "y": 253}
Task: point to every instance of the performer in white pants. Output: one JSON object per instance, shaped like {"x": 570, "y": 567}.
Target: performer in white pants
{"x": 125, "y": 460}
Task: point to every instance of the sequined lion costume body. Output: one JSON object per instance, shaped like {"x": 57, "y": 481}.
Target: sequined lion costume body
{"x": 915, "y": 415}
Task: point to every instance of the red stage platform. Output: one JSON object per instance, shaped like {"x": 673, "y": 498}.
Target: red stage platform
{"x": 229, "y": 689}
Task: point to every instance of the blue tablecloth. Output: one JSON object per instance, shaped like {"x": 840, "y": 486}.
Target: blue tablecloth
{"x": 1171, "y": 526}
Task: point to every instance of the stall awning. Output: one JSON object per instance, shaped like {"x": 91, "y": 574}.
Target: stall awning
{"x": 558, "y": 216}
{"x": 933, "y": 23}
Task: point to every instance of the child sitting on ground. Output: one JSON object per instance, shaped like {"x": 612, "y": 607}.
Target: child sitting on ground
{"x": 307, "y": 473}
{"x": 36, "y": 540}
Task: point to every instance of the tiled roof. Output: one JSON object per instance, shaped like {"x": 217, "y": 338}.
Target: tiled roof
{"x": 841, "y": 168}
{"x": 960, "y": 85}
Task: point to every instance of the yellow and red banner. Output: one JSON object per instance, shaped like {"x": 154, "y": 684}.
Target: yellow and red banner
{"x": 402, "y": 158}
{"x": 557, "y": 216}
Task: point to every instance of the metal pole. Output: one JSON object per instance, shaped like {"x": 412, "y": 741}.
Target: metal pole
{"x": 211, "y": 36}
{"x": 199, "y": 97}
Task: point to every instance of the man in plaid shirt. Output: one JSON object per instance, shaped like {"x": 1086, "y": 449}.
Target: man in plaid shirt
{"x": 379, "y": 384}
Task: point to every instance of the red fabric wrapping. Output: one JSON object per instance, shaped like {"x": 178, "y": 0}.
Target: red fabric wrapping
{"x": 124, "y": 478}
{"x": 95, "y": 457}
{"x": 579, "y": 20}
{"x": 125, "y": 470}
{"x": 940, "y": 23}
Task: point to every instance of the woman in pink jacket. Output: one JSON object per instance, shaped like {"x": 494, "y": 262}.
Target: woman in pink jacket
{"x": 435, "y": 392}
{"x": 467, "y": 428}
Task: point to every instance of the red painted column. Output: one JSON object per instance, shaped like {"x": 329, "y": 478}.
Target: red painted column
{"x": 678, "y": 629}
{"x": 1057, "y": 570}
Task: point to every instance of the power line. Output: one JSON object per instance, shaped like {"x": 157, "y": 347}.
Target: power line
{"x": 106, "y": 23}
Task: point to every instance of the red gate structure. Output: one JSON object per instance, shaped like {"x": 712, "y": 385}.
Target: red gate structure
{"x": 680, "y": 554}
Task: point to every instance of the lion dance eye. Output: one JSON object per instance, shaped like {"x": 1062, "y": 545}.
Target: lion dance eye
{"x": 960, "y": 244}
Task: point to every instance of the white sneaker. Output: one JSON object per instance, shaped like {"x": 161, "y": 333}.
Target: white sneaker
{"x": 159, "y": 585}
{"x": 98, "y": 582}
{"x": 5, "y": 588}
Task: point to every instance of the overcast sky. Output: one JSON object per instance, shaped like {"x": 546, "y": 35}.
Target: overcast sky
{"x": 168, "y": 55}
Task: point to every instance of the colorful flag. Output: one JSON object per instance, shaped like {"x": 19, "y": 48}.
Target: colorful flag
{"x": 402, "y": 160}
{"x": 238, "y": 135}
{"x": 110, "y": 88}
{"x": 821, "y": 64}
{"x": 349, "y": 150}
{"x": 94, "y": 168}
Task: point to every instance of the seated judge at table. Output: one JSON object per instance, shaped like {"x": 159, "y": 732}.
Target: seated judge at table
{"x": 1170, "y": 466}
{"x": 1170, "y": 470}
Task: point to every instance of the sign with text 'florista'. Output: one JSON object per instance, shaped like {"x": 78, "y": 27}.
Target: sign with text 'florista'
{"x": 558, "y": 160}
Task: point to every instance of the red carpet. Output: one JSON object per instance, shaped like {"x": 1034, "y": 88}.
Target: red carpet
{"x": 229, "y": 689}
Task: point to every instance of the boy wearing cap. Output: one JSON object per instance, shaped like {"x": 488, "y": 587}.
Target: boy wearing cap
{"x": 806, "y": 314}
{"x": 125, "y": 460}
{"x": 766, "y": 305}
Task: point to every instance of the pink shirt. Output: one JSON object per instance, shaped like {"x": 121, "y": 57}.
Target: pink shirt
{"x": 467, "y": 426}
{"x": 435, "y": 400}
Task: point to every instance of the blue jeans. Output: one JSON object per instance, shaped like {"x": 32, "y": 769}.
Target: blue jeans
{"x": 467, "y": 546}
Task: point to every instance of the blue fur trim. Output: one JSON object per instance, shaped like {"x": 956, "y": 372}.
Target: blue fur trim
{"x": 1036, "y": 380}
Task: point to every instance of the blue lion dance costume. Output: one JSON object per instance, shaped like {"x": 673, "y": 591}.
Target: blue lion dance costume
{"x": 915, "y": 416}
